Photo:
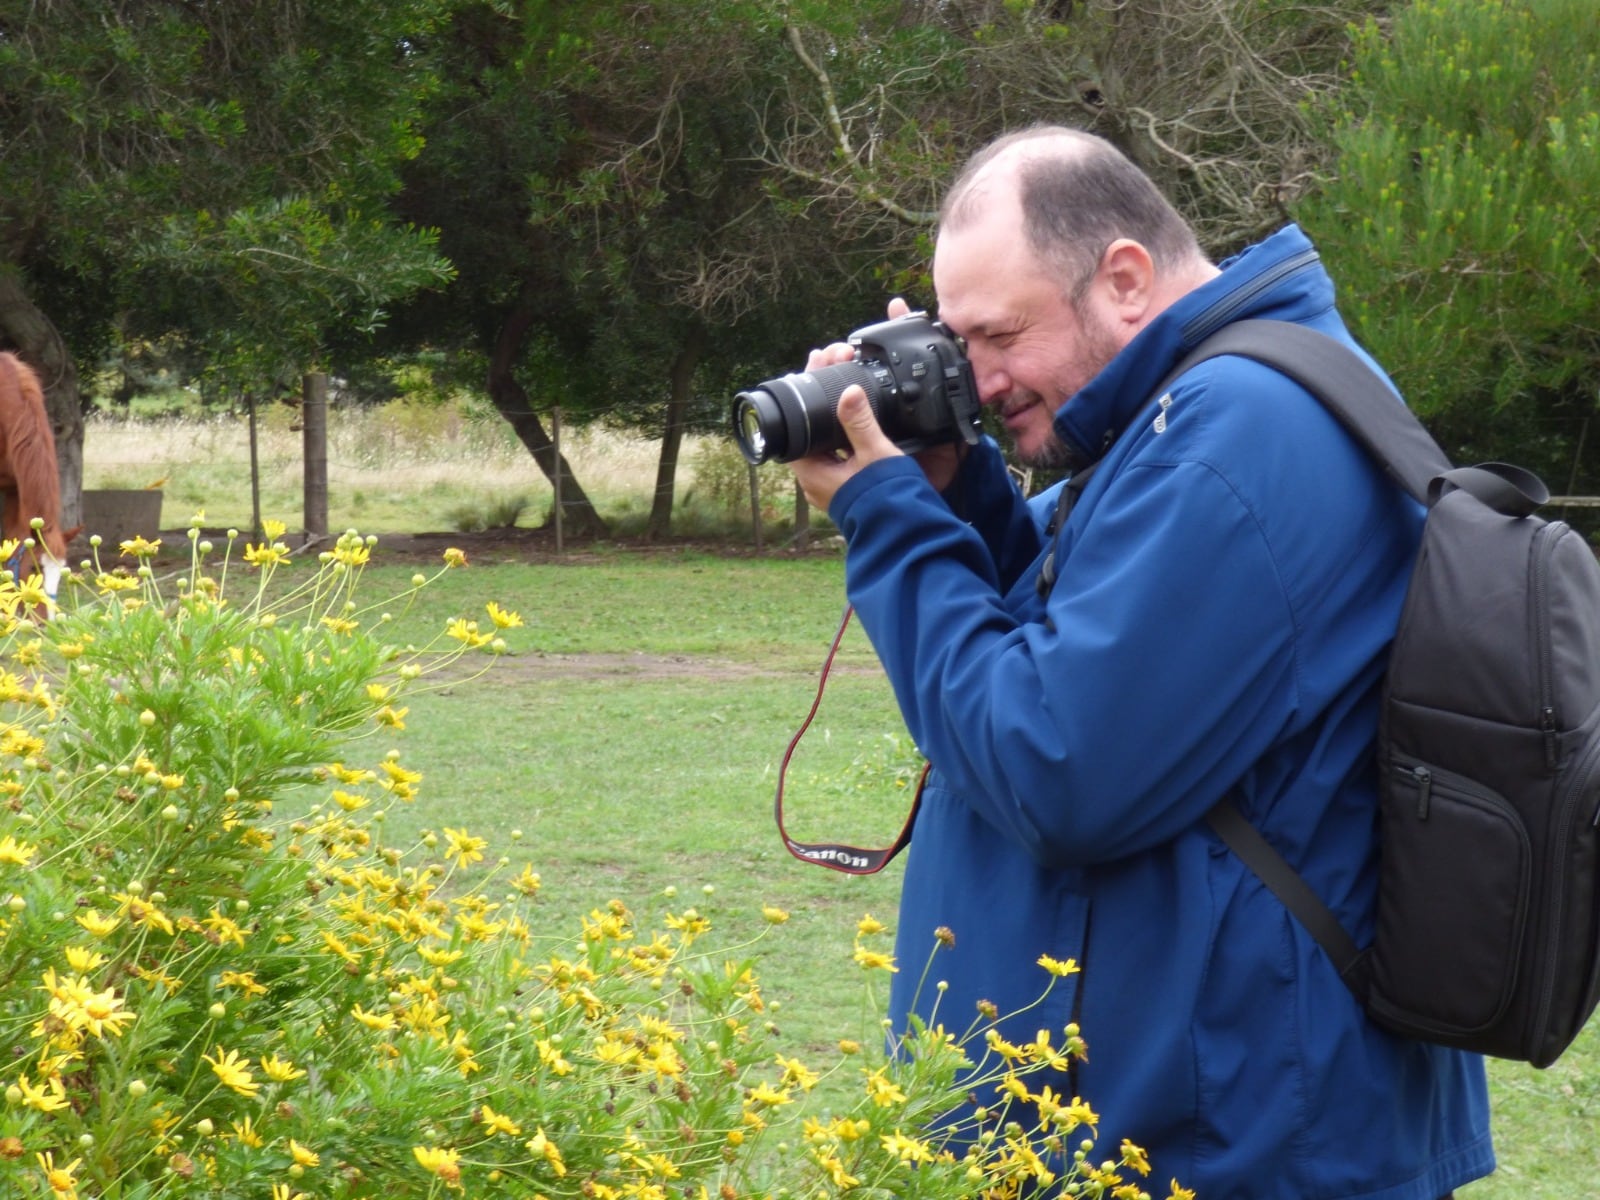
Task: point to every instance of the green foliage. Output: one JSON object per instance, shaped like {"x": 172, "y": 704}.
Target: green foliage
{"x": 722, "y": 476}
{"x": 498, "y": 512}
{"x": 1461, "y": 221}
{"x": 214, "y": 170}
{"x": 210, "y": 995}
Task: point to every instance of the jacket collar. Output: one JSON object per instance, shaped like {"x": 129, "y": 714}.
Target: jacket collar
{"x": 1279, "y": 277}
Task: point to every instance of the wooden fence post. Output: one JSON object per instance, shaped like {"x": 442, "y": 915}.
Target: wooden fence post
{"x": 555, "y": 476}
{"x": 314, "y": 422}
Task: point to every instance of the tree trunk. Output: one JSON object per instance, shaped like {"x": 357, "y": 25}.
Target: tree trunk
{"x": 36, "y": 339}
{"x": 511, "y": 400}
{"x": 682, "y": 375}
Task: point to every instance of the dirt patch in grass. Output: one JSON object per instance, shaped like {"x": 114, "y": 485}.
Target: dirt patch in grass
{"x": 510, "y": 545}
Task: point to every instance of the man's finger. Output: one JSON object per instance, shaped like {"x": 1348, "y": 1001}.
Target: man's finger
{"x": 861, "y": 426}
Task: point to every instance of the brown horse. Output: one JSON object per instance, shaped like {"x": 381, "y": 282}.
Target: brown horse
{"x": 30, "y": 485}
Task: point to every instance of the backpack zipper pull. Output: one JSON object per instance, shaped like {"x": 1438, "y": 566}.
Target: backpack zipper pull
{"x": 1552, "y": 751}
{"x": 1424, "y": 778}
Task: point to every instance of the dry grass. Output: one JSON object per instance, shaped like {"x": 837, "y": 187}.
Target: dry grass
{"x": 404, "y": 467}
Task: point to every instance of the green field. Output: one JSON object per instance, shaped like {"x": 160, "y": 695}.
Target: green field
{"x": 632, "y": 740}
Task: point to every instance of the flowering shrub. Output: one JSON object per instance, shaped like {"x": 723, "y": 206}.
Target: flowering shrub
{"x": 205, "y": 994}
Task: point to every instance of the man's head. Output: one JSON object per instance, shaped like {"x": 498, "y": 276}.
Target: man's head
{"x": 1053, "y": 252}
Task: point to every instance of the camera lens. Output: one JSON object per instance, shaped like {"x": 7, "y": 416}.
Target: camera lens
{"x": 788, "y": 418}
{"x": 758, "y": 426}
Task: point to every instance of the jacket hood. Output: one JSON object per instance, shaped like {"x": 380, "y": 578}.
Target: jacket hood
{"x": 1281, "y": 277}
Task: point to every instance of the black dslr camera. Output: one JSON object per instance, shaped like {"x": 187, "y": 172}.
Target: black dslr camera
{"x": 917, "y": 379}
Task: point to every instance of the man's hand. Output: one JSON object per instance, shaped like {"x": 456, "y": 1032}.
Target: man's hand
{"x": 821, "y": 475}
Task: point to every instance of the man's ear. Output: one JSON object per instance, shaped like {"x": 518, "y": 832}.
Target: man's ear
{"x": 1127, "y": 277}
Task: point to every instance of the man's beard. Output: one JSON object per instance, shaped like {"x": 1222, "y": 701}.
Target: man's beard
{"x": 1053, "y": 455}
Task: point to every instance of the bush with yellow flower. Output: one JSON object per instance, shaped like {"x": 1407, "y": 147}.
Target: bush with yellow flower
{"x": 221, "y": 980}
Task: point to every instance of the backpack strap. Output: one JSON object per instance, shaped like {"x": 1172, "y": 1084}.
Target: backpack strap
{"x": 1392, "y": 436}
{"x": 1345, "y": 385}
{"x": 1284, "y": 882}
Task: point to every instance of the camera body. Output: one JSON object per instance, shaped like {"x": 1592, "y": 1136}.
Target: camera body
{"x": 917, "y": 379}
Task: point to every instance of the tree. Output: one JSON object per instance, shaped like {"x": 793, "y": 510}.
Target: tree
{"x": 593, "y": 171}
{"x": 1462, "y": 220}
{"x": 217, "y": 169}
{"x": 1207, "y": 95}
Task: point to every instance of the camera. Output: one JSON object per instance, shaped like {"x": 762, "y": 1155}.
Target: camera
{"x": 917, "y": 379}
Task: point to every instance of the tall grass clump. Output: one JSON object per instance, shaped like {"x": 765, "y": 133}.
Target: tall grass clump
{"x": 224, "y": 979}
{"x": 405, "y": 466}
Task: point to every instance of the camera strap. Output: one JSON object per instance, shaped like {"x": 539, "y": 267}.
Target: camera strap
{"x": 852, "y": 860}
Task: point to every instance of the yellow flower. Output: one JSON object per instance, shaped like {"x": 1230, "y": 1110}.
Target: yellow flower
{"x": 245, "y": 981}
{"x": 79, "y": 1007}
{"x": 244, "y": 1131}
{"x": 350, "y": 776}
{"x": 769, "y": 1097}
{"x": 138, "y": 547}
{"x": 281, "y": 1191}
{"x": 1134, "y": 1158}
{"x": 304, "y": 1155}
{"x": 225, "y": 928}
{"x": 60, "y": 1179}
{"x": 498, "y": 1122}
{"x": 394, "y": 718}
{"x": 455, "y": 558}
{"x": 542, "y": 1147}
{"x": 906, "y": 1149}
{"x": 233, "y": 1071}
{"x": 1075, "y": 1114}
{"x": 1057, "y": 967}
{"x": 83, "y": 960}
{"x": 528, "y": 882}
{"x": 279, "y": 1070}
{"x": 115, "y": 583}
{"x": 443, "y": 1163}
{"x": 266, "y": 555}
{"x": 796, "y": 1072}
{"x": 774, "y": 916}
{"x": 97, "y": 923}
{"x": 466, "y": 632}
{"x": 383, "y": 1022}
{"x": 1179, "y": 1193}
{"x": 463, "y": 847}
{"x": 142, "y": 913}
{"x": 869, "y": 924}
{"x": 871, "y": 960}
{"x": 47, "y": 1098}
{"x": 842, "y": 1179}
{"x": 501, "y": 618}
{"x": 272, "y": 529}
{"x": 882, "y": 1090}
{"x": 13, "y": 851}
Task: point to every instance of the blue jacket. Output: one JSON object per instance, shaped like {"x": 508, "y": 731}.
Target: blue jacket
{"x": 1227, "y": 586}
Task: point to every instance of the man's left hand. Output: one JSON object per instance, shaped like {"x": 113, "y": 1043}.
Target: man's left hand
{"x": 821, "y": 475}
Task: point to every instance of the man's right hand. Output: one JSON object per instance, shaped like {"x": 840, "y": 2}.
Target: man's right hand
{"x": 821, "y": 475}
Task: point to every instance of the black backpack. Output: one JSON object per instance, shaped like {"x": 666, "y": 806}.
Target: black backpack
{"x": 1488, "y": 916}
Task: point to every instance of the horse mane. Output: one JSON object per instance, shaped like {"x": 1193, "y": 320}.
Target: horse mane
{"x": 29, "y": 477}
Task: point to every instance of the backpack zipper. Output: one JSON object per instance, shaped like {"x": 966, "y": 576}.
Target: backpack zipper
{"x": 1549, "y": 723}
{"x": 1424, "y": 779}
{"x": 1566, "y": 816}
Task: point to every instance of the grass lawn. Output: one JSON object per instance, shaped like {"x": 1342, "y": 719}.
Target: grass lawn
{"x": 632, "y": 742}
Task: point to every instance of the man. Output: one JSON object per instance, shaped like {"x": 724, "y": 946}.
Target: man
{"x": 1226, "y": 585}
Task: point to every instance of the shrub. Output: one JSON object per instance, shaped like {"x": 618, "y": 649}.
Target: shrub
{"x": 222, "y": 981}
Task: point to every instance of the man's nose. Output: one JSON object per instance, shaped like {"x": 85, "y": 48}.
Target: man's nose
{"x": 992, "y": 380}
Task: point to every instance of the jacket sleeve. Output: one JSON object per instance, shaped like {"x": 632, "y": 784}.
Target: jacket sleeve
{"x": 984, "y": 496}
{"x": 1165, "y": 668}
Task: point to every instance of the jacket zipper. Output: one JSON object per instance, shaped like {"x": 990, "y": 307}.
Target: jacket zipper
{"x": 1209, "y": 322}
